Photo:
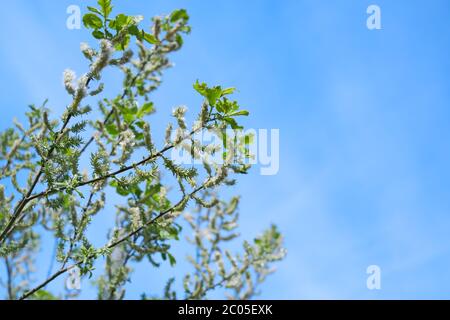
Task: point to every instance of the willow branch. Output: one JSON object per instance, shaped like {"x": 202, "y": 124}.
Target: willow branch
{"x": 113, "y": 244}
{"x": 78, "y": 97}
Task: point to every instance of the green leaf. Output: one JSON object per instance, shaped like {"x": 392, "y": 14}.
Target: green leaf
{"x": 150, "y": 38}
{"x": 121, "y": 190}
{"x": 129, "y": 117}
{"x": 228, "y": 91}
{"x": 140, "y": 123}
{"x": 172, "y": 260}
{"x": 94, "y": 10}
{"x": 234, "y": 125}
{"x": 164, "y": 234}
{"x": 112, "y": 129}
{"x": 106, "y": 7}
{"x": 200, "y": 87}
{"x": 98, "y": 34}
{"x": 44, "y": 295}
{"x": 120, "y": 21}
{"x": 147, "y": 108}
{"x": 211, "y": 94}
{"x": 179, "y": 39}
{"x": 214, "y": 94}
{"x": 92, "y": 21}
{"x": 124, "y": 44}
{"x": 227, "y": 106}
{"x": 239, "y": 113}
{"x": 134, "y": 31}
{"x": 180, "y": 14}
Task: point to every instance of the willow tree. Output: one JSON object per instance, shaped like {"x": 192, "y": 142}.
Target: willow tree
{"x": 58, "y": 173}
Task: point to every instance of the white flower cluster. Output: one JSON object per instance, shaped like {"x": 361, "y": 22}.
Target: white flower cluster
{"x": 82, "y": 86}
{"x": 106, "y": 50}
{"x": 179, "y": 113}
{"x": 168, "y": 134}
{"x": 221, "y": 174}
{"x": 128, "y": 139}
{"x": 136, "y": 221}
{"x": 80, "y": 91}
{"x": 204, "y": 114}
{"x": 68, "y": 78}
{"x": 180, "y": 135}
{"x": 162, "y": 195}
{"x": 87, "y": 51}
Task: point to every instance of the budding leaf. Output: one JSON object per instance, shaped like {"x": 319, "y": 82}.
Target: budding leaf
{"x": 180, "y": 14}
{"x": 146, "y": 109}
{"x": 211, "y": 94}
{"x": 92, "y": 21}
{"x": 150, "y": 38}
{"x": 106, "y": 7}
{"x": 239, "y": 113}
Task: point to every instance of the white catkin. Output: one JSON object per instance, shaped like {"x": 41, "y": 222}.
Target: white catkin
{"x": 126, "y": 57}
{"x": 204, "y": 113}
{"x": 135, "y": 217}
{"x": 128, "y": 139}
{"x": 68, "y": 78}
{"x": 87, "y": 51}
{"x": 105, "y": 53}
{"x": 213, "y": 148}
{"x": 198, "y": 125}
{"x": 221, "y": 174}
{"x": 162, "y": 196}
{"x": 138, "y": 19}
{"x": 81, "y": 89}
{"x": 179, "y": 136}
{"x": 99, "y": 89}
{"x": 168, "y": 135}
{"x": 179, "y": 113}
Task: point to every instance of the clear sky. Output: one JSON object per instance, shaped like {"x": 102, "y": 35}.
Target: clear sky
{"x": 363, "y": 116}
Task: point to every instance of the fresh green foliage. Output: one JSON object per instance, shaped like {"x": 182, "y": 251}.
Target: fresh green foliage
{"x": 225, "y": 109}
{"x": 59, "y": 172}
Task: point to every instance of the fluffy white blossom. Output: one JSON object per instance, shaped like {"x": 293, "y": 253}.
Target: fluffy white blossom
{"x": 68, "y": 78}
{"x": 128, "y": 139}
{"x": 168, "y": 134}
{"x": 221, "y": 174}
{"x": 136, "y": 221}
{"x": 106, "y": 50}
{"x": 82, "y": 86}
{"x": 179, "y": 113}
{"x": 87, "y": 51}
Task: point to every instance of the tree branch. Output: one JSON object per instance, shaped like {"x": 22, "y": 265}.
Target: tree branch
{"x": 112, "y": 245}
{"x": 9, "y": 279}
{"x": 23, "y": 202}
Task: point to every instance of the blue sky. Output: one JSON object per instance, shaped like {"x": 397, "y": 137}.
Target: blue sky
{"x": 363, "y": 118}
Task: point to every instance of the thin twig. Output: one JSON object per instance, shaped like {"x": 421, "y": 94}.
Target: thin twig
{"x": 9, "y": 279}
{"x": 23, "y": 202}
{"x": 112, "y": 245}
